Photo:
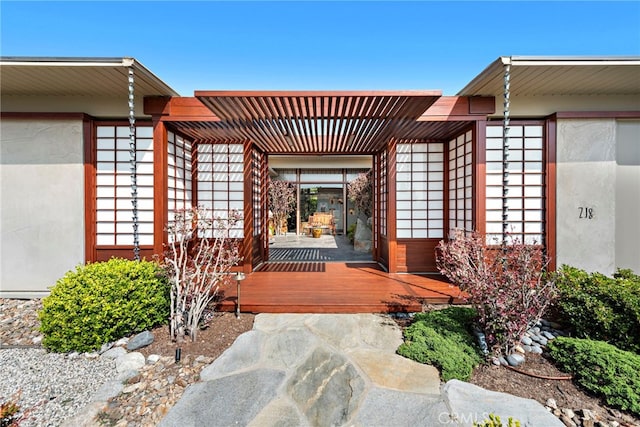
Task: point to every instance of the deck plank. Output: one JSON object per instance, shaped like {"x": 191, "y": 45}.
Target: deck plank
{"x": 337, "y": 287}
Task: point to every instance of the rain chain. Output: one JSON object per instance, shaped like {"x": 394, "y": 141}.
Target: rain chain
{"x": 505, "y": 152}
{"x": 134, "y": 177}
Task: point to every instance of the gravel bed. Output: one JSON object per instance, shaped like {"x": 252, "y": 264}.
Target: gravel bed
{"x": 53, "y": 386}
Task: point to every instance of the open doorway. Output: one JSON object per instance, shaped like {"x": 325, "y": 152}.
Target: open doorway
{"x": 321, "y": 205}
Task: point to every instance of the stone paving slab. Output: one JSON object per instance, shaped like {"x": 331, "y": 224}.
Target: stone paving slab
{"x": 333, "y": 370}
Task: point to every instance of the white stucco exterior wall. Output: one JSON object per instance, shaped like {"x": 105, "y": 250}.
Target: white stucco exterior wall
{"x": 41, "y": 204}
{"x": 596, "y": 214}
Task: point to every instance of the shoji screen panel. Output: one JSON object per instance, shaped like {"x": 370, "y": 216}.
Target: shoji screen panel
{"x": 384, "y": 192}
{"x": 420, "y": 190}
{"x": 256, "y": 185}
{"x": 221, "y": 180}
{"x": 525, "y": 198}
{"x": 179, "y": 172}
{"x": 114, "y": 210}
{"x": 461, "y": 183}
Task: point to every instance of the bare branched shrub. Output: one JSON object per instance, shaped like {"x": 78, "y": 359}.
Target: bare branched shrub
{"x": 360, "y": 192}
{"x": 198, "y": 260}
{"x": 282, "y": 201}
{"x": 508, "y": 285}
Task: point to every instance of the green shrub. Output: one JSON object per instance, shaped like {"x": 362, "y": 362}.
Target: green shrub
{"x": 495, "y": 421}
{"x": 600, "y": 307}
{"x": 443, "y": 338}
{"x": 601, "y": 368}
{"x": 101, "y": 302}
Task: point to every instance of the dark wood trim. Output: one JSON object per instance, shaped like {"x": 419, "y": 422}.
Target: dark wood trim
{"x": 89, "y": 161}
{"x": 550, "y": 192}
{"x": 44, "y": 116}
{"x": 178, "y": 109}
{"x": 480, "y": 176}
{"x": 160, "y": 186}
{"x": 248, "y": 207}
{"x": 597, "y": 115}
{"x": 391, "y": 206}
{"x": 459, "y": 108}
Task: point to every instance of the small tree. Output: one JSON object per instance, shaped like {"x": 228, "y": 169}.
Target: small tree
{"x": 198, "y": 260}
{"x": 507, "y": 285}
{"x": 282, "y": 201}
{"x": 360, "y": 192}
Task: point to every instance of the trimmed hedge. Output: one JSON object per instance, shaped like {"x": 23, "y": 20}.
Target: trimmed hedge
{"x": 600, "y": 307}
{"x": 601, "y": 368}
{"x": 443, "y": 338}
{"x": 102, "y": 302}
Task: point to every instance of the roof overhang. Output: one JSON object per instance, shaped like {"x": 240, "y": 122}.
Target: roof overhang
{"x": 91, "y": 77}
{"x": 544, "y": 75}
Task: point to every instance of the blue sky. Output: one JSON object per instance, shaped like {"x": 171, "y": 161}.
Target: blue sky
{"x": 318, "y": 45}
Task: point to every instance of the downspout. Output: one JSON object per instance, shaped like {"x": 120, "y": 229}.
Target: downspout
{"x": 132, "y": 159}
{"x": 505, "y": 147}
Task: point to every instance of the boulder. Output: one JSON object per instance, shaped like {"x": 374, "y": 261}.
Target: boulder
{"x": 143, "y": 339}
{"x": 362, "y": 238}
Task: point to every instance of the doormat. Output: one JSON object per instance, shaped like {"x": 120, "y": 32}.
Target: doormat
{"x": 297, "y": 267}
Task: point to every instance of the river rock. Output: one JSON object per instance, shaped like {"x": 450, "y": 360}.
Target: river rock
{"x": 515, "y": 359}
{"x": 143, "y": 339}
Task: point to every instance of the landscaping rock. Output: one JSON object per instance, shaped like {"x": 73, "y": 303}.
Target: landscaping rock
{"x": 548, "y": 335}
{"x": 143, "y": 339}
{"x": 362, "y": 237}
{"x": 536, "y": 349}
{"x": 244, "y": 353}
{"x": 542, "y": 340}
{"x": 551, "y": 403}
{"x": 472, "y": 403}
{"x": 114, "y": 353}
{"x": 526, "y": 340}
{"x": 503, "y": 361}
{"x": 408, "y": 409}
{"x": 130, "y": 361}
{"x": 515, "y": 359}
{"x": 153, "y": 359}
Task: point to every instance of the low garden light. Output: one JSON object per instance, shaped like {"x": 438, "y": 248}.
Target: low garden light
{"x": 240, "y": 276}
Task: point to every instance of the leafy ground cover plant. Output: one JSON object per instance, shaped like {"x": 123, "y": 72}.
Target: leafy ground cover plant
{"x": 495, "y": 421}
{"x": 102, "y": 302}
{"x": 507, "y": 285}
{"x": 198, "y": 261}
{"x": 600, "y": 307}
{"x": 602, "y": 369}
{"x": 443, "y": 338}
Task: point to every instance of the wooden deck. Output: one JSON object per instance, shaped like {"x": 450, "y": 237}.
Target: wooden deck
{"x": 336, "y": 287}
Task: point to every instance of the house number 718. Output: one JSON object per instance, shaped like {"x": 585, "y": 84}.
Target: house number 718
{"x": 585, "y": 212}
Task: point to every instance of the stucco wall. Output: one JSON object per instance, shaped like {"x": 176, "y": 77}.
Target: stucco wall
{"x": 544, "y": 105}
{"x": 596, "y": 220}
{"x": 101, "y": 107}
{"x": 42, "y": 204}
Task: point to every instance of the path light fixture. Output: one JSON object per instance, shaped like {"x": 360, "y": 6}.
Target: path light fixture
{"x": 240, "y": 276}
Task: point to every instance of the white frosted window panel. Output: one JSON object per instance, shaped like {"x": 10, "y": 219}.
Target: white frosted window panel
{"x": 105, "y": 215}
{"x": 105, "y": 131}
{"x": 419, "y": 214}
{"x": 419, "y": 176}
{"x": 123, "y": 192}
{"x": 122, "y": 131}
{"x": 237, "y": 177}
{"x": 403, "y": 167}
{"x": 403, "y": 177}
{"x": 533, "y": 215}
{"x": 515, "y": 131}
{"x": 419, "y": 167}
{"x": 236, "y": 196}
{"x": 533, "y": 167}
{"x": 403, "y": 158}
{"x": 171, "y": 149}
{"x": 105, "y": 204}
{"x": 145, "y": 228}
{"x": 435, "y": 157}
{"x": 436, "y": 186}
{"x": 204, "y": 177}
{"x": 533, "y": 203}
{"x": 533, "y": 179}
{"x": 123, "y": 145}
{"x": 105, "y": 239}
{"x": 145, "y": 216}
{"x": 435, "y": 223}
{"x": 468, "y": 205}
{"x": 124, "y": 227}
{"x": 436, "y": 167}
{"x": 220, "y": 158}
{"x": 105, "y": 191}
{"x": 530, "y": 131}
{"x": 420, "y": 234}
{"x": 220, "y": 148}
{"x": 533, "y": 227}
{"x": 493, "y": 155}
{"x": 533, "y": 191}
{"x": 403, "y": 195}
{"x": 419, "y": 148}
{"x": 403, "y": 233}
{"x": 436, "y": 204}
{"x": 514, "y": 191}
{"x": 235, "y": 167}
{"x": 105, "y": 156}
{"x": 460, "y": 151}
{"x": 123, "y": 156}
{"x": 514, "y": 227}
{"x": 236, "y": 205}
{"x": 515, "y": 215}
{"x": 204, "y": 162}
{"x": 419, "y": 204}
{"x": 124, "y": 239}
{"x": 494, "y": 204}
{"x": 419, "y": 223}
{"x": 494, "y": 143}
{"x": 144, "y": 168}
{"x": 105, "y": 227}
{"x": 205, "y": 148}
{"x": 402, "y": 223}
{"x": 208, "y": 204}
{"x": 515, "y": 179}
{"x": 220, "y": 176}
{"x": 145, "y": 204}
{"x": 403, "y": 214}
{"x": 403, "y": 186}
{"x": 514, "y": 166}
{"x": 403, "y": 148}
{"x": 494, "y": 131}
{"x": 204, "y": 195}
{"x": 534, "y": 143}
{"x": 145, "y": 180}
{"x": 468, "y": 192}
{"x": 123, "y": 204}
{"x": 436, "y": 234}
{"x": 493, "y": 191}
{"x": 235, "y": 148}
{"x": 514, "y": 203}
{"x": 515, "y": 144}
{"x": 221, "y": 186}
{"x": 533, "y": 155}
{"x": 515, "y": 155}
{"x": 436, "y": 214}
{"x": 494, "y": 227}
{"x": 494, "y": 168}
{"x": 124, "y": 215}
{"x": 419, "y": 157}
{"x": 145, "y": 239}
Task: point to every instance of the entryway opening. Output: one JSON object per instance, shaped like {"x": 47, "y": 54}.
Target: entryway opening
{"x": 321, "y": 225}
